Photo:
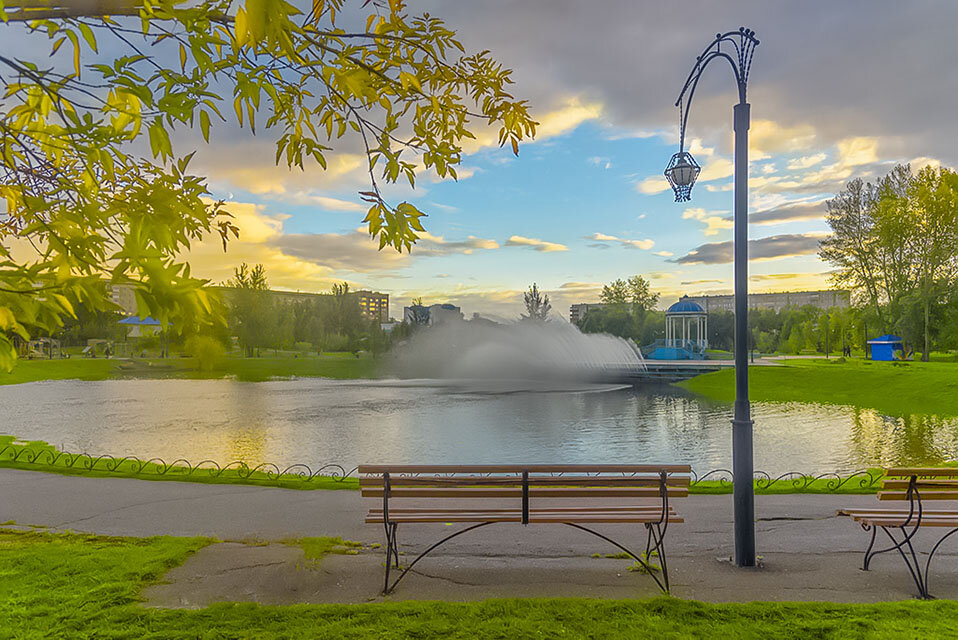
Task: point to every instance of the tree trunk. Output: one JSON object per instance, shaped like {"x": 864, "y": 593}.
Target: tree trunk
{"x": 925, "y": 354}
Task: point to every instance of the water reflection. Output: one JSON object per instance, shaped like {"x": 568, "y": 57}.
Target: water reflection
{"x": 904, "y": 440}
{"x": 319, "y": 421}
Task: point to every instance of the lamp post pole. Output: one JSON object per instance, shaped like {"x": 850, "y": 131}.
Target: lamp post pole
{"x": 737, "y": 48}
{"x": 742, "y": 461}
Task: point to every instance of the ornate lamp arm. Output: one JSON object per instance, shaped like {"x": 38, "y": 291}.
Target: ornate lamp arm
{"x": 742, "y": 44}
{"x": 682, "y": 169}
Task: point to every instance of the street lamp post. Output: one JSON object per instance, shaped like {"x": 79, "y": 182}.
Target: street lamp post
{"x": 737, "y": 48}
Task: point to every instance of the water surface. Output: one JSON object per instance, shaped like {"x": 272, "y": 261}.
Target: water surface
{"x": 316, "y": 421}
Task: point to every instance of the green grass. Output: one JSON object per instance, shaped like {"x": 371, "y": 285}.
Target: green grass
{"x": 910, "y": 388}
{"x": 46, "y": 458}
{"x": 332, "y": 365}
{"x": 80, "y": 586}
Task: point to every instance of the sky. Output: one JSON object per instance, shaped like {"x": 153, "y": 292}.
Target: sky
{"x": 838, "y": 90}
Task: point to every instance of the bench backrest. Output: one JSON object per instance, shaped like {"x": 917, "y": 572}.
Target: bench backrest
{"x": 930, "y": 483}
{"x": 523, "y": 481}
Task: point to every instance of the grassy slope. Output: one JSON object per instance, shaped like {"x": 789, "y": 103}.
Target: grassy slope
{"x": 896, "y": 389}
{"x": 336, "y": 365}
{"x": 80, "y": 586}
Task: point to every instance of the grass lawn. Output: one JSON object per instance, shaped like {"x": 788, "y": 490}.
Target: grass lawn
{"x": 332, "y": 365}
{"x": 81, "y": 586}
{"x": 893, "y": 388}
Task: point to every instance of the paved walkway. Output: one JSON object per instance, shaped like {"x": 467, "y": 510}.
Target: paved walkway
{"x": 807, "y": 552}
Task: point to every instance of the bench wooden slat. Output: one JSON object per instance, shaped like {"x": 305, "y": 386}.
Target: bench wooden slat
{"x": 543, "y": 519}
{"x": 366, "y": 469}
{"x": 897, "y": 511}
{"x": 516, "y": 481}
{"x": 920, "y": 484}
{"x": 534, "y": 492}
{"x": 922, "y": 471}
{"x": 925, "y": 495}
{"x": 651, "y": 507}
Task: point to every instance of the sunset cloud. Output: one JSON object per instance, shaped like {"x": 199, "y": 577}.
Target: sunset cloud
{"x": 602, "y": 238}
{"x": 770, "y": 248}
{"x": 535, "y": 244}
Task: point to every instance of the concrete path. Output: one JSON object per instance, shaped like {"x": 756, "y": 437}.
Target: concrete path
{"x": 808, "y": 553}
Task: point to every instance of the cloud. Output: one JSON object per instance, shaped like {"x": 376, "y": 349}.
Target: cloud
{"x": 770, "y": 248}
{"x": 714, "y": 220}
{"x": 652, "y": 185}
{"x": 694, "y": 282}
{"x": 761, "y": 277}
{"x": 443, "y": 207}
{"x": 568, "y": 115}
{"x": 600, "y": 161}
{"x": 601, "y": 238}
{"x": 536, "y": 244}
{"x": 258, "y": 232}
{"x": 716, "y": 169}
{"x": 354, "y": 251}
{"x": 325, "y": 202}
{"x": 433, "y": 245}
{"x": 580, "y": 286}
{"x": 767, "y": 137}
{"x": 806, "y": 161}
{"x": 664, "y": 254}
{"x": 791, "y": 212}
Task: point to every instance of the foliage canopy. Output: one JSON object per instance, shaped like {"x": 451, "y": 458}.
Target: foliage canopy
{"x": 95, "y": 190}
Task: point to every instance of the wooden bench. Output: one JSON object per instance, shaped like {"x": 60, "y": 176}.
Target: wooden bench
{"x": 574, "y": 495}
{"x": 916, "y": 486}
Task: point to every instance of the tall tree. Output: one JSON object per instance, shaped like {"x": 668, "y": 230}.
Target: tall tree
{"x": 253, "y": 318}
{"x": 896, "y": 244}
{"x": 616, "y": 292}
{"x": 82, "y": 193}
{"x": 852, "y": 246}
{"x": 537, "y": 304}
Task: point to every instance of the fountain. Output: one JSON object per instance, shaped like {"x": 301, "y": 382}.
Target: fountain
{"x": 550, "y": 355}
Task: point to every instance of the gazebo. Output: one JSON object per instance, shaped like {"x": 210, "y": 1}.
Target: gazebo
{"x": 686, "y": 333}
{"x": 687, "y": 325}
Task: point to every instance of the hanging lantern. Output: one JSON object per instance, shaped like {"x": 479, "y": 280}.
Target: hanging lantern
{"x": 681, "y": 174}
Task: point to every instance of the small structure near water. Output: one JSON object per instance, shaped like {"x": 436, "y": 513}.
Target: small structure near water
{"x": 686, "y": 333}
{"x": 884, "y": 347}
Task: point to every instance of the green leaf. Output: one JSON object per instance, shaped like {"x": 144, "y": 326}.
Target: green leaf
{"x": 205, "y": 125}
{"x": 87, "y": 34}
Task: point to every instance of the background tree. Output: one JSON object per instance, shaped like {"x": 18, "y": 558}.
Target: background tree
{"x": 81, "y": 192}
{"x": 537, "y": 304}
{"x": 896, "y": 245}
{"x": 253, "y": 318}
{"x": 628, "y": 311}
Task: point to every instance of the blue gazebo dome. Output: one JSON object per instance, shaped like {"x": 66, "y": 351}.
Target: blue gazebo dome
{"x": 684, "y": 305}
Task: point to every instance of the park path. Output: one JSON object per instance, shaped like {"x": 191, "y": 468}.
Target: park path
{"x": 808, "y": 553}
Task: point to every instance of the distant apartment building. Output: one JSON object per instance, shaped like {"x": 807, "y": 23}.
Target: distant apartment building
{"x": 823, "y": 299}
{"x": 577, "y": 311}
{"x": 122, "y": 296}
{"x": 373, "y": 305}
{"x": 431, "y": 315}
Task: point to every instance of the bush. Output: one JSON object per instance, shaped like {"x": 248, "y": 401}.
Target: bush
{"x": 206, "y": 350}
{"x": 335, "y": 342}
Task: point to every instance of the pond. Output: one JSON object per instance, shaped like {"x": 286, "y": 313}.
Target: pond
{"x": 318, "y": 421}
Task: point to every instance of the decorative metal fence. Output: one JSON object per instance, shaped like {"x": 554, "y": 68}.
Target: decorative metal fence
{"x": 181, "y": 468}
